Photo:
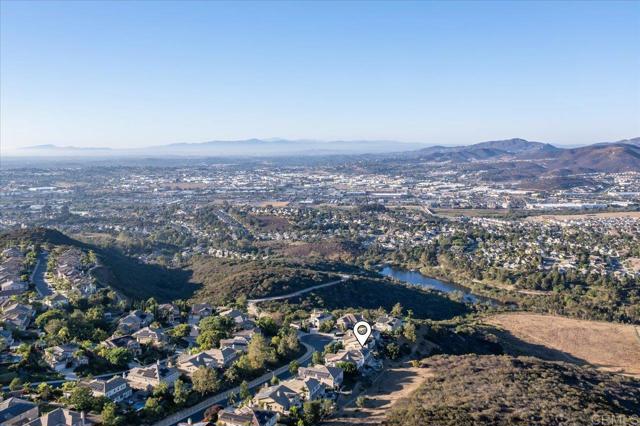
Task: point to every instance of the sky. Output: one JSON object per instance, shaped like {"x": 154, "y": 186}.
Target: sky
{"x": 133, "y": 74}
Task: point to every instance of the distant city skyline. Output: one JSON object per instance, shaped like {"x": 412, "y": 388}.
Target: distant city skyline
{"x": 137, "y": 74}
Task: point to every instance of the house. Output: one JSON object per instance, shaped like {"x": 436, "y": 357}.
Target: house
{"x": 278, "y": 398}
{"x": 135, "y": 320}
{"x": 169, "y": 312}
{"x": 13, "y": 284}
{"x": 213, "y": 358}
{"x": 16, "y": 411}
{"x": 223, "y": 357}
{"x": 56, "y": 300}
{"x": 309, "y": 389}
{"x": 318, "y": 318}
{"x": 189, "y": 364}
{"x": 346, "y": 322}
{"x": 65, "y": 356}
{"x": 116, "y": 388}
{"x": 150, "y": 336}
{"x": 240, "y": 319}
{"x": 16, "y": 315}
{"x": 350, "y": 341}
{"x": 237, "y": 343}
{"x": 146, "y": 378}
{"x": 246, "y": 416}
{"x": 125, "y": 342}
{"x": 388, "y": 324}
{"x": 359, "y": 357}
{"x": 60, "y": 417}
{"x": 331, "y": 377}
{"x": 11, "y": 252}
{"x": 199, "y": 311}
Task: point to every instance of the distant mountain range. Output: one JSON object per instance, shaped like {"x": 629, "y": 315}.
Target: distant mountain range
{"x": 602, "y": 157}
{"x": 237, "y": 148}
{"x": 52, "y": 147}
{"x": 623, "y": 155}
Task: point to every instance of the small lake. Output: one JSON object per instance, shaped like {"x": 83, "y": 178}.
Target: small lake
{"x": 416, "y": 278}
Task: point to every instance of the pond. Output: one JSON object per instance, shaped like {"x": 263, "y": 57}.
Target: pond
{"x": 416, "y": 278}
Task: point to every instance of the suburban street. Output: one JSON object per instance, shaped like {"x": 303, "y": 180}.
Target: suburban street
{"x": 312, "y": 342}
{"x": 41, "y": 284}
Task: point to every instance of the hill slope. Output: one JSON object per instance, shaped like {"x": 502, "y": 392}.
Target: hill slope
{"x": 225, "y": 280}
{"x": 131, "y": 278}
{"x": 612, "y": 158}
{"x": 503, "y": 390}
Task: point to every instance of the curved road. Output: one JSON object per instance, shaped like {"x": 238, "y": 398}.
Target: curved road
{"x": 312, "y": 342}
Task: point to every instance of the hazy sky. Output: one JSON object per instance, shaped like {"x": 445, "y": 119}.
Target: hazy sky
{"x": 125, "y": 74}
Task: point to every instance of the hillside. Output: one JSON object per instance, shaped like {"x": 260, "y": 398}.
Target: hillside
{"x": 504, "y": 390}
{"x": 602, "y": 157}
{"x": 369, "y": 293}
{"x": 607, "y": 346}
{"x": 225, "y": 280}
{"x": 130, "y": 277}
{"x": 613, "y": 158}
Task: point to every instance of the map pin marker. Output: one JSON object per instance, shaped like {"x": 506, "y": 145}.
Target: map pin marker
{"x": 362, "y": 331}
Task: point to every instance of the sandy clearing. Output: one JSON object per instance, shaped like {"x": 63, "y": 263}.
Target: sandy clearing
{"x": 608, "y": 346}
{"x": 393, "y": 384}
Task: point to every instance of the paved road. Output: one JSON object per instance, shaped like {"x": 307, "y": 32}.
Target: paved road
{"x": 312, "y": 342}
{"x": 38, "y": 276}
{"x": 298, "y": 293}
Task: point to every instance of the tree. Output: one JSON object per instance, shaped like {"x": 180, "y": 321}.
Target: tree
{"x": 161, "y": 390}
{"x": 47, "y": 316}
{"x": 312, "y": 412}
{"x": 293, "y": 367}
{"x": 274, "y": 380}
{"x": 81, "y": 398}
{"x": 153, "y": 407}
{"x": 259, "y": 352}
{"x": 205, "y": 380}
{"x": 268, "y": 326}
{"x": 180, "y": 393}
{"x": 349, "y": 368}
{"x": 316, "y": 358}
{"x": 181, "y": 330}
{"x": 244, "y": 391}
{"x": 409, "y": 331}
{"x": 118, "y": 356}
{"x": 392, "y": 350}
{"x": 361, "y": 401}
{"x": 44, "y": 391}
{"x": 327, "y": 326}
{"x": 15, "y": 384}
{"x": 207, "y": 340}
{"x": 396, "y": 311}
{"x": 110, "y": 415}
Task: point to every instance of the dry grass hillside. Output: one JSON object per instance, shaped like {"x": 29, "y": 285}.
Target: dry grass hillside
{"x": 607, "y": 346}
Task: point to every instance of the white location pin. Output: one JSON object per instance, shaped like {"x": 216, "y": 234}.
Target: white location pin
{"x": 362, "y": 330}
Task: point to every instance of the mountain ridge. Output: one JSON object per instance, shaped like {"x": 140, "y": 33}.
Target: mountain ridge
{"x": 619, "y": 156}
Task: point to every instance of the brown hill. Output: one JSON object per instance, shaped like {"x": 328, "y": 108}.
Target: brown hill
{"x": 613, "y": 158}
{"x": 504, "y": 390}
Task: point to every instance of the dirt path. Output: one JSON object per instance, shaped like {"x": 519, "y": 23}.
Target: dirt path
{"x": 393, "y": 384}
{"x": 607, "y": 346}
